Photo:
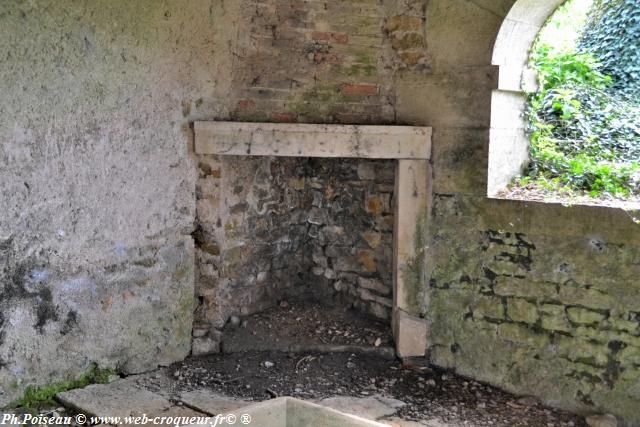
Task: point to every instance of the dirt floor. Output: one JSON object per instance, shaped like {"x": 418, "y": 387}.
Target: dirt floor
{"x": 258, "y": 366}
{"x": 429, "y": 394}
{"x": 304, "y": 324}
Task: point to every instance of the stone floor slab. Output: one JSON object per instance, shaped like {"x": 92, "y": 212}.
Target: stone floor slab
{"x": 372, "y": 407}
{"x": 183, "y": 414}
{"x": 118, "y": 399}
{"x": 211, "y": 403}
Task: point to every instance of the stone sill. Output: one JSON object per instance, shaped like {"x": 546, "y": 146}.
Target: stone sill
{"x": 583, "y": 202}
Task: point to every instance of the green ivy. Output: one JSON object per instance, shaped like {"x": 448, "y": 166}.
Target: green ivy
{"x": 585, "y": 134}
{"x": 612, "y": 35}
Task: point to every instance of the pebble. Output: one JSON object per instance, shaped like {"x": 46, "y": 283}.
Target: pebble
{"x": 269, "y": 364}
{"x": 234, "y": 320}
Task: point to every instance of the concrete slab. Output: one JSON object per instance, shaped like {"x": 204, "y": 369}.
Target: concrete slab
{"x": 290, "y": 412}
{"x": 211, "y": 403}
{"x": 370, "y": 407}
{"x": 118, "y": 399}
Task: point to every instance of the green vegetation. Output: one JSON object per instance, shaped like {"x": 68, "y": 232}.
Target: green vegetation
{"x": 35, "y": 397}
{"x": 612, "y": 35}
{"x": 585, "y": 135}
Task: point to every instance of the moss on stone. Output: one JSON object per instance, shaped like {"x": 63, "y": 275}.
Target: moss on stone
{"x": 414, "y": 272}
{"x": 35, "y": 397}
{"x": 520, "y": 335}
{"x": 489, "y": 308}
{"x": 584, "y": 316}
{"x": 519, "y": 310}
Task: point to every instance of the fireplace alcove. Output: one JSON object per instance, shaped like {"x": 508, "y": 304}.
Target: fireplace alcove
{"x": 276, "y": 168}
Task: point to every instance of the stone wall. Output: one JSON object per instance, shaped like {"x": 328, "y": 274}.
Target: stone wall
{"x": 97, "y": 184}
{"x": 271, "y": 229}
{"x": 542, "y": 307}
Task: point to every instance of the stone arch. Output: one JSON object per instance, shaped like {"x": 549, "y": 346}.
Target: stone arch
{"x": 508, "y": 144}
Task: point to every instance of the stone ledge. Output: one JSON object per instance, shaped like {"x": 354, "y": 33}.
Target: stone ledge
{"x": 310, "y": 140}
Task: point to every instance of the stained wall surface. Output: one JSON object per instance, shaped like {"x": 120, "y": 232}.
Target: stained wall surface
{"x": 538, "y": 299}
{"x": 97, "y": 184}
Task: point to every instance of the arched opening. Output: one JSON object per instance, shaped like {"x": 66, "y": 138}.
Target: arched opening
{"x": 577, "y": 102}
{"x": 509, "y": 145}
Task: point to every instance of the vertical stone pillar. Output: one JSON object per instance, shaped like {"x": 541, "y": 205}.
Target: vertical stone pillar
{"x": 409, "y": 269}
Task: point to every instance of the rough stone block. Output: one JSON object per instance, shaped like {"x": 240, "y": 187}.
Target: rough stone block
{"x": 488, "y": 307}
{"x": 367, "y": 295}
{"x": 554, "y": 318}
{"x": 624, "y": 325}
{"x": 519, "y": 310}
{"x": 372, "y": 238}
{"x": 591, "y": 298}
{"x": 205, "y": 345}
{"x": 410, "y": 333}
{"x": 582, "y": 350}
{"x": 374, "y": 285}
{"x": 629, "y": 356}
{"x": 403, "y": 23}
{"x": 602, "y": 421}
{"x": 366, "y": 171}
{"x": 514, "y": 287}
{"x": 521, "y": 335}
{"x": 584, "y": 316}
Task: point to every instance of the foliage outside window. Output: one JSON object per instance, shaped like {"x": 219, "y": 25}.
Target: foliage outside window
{"x": 584, "y": 119}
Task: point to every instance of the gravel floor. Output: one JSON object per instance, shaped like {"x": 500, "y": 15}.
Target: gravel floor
{"x": 429, "y": 394}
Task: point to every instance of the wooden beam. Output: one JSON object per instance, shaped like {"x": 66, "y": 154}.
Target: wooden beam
{"x": 310, "y": 140}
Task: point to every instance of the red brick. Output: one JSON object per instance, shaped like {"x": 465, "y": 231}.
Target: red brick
{"x": 340, "y": 37}
{"x": 284, "y": 117}
{"x": 360, "y": 89}
{"x": 327, "y": 57}
{"x": 245, "y": 104}
{"x": 330, "y": 37}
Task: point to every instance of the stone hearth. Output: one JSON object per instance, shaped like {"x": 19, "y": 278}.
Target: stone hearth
{"x": 291, "y": 210}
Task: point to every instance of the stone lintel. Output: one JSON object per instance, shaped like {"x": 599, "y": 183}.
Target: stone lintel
{"x": 312, "y": 140}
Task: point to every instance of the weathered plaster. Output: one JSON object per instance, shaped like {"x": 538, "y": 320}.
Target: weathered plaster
{"x": 97, "y": 183}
